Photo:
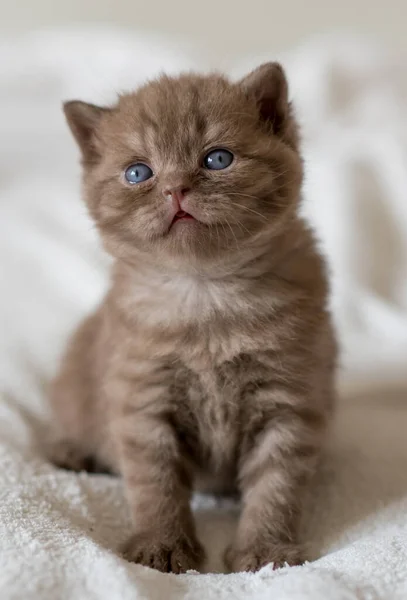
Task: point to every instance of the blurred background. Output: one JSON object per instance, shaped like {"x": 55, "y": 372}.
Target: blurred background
{"x": 226, "y": 28}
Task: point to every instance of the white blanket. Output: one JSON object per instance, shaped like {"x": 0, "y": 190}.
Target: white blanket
{"x": 59, "y": 532}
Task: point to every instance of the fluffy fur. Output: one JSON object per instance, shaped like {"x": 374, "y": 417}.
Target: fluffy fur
{"x": 210, "y": 362}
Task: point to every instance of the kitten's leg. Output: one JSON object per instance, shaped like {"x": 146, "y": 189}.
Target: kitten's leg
{"x": 73, "y": 439}
{"x": 274, "y": 472}
{"x": 156, "y": 477}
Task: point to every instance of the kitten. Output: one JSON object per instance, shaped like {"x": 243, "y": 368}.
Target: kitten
{"x": 210, "y": 362}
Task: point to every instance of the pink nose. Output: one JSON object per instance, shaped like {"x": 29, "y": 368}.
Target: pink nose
{"x": 177, "y": 195}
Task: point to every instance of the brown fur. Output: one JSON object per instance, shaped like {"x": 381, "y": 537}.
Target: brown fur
{"x": 210, "y": 362}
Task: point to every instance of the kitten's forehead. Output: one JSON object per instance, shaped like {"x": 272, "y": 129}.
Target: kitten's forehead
{"x": 182, "y": 115}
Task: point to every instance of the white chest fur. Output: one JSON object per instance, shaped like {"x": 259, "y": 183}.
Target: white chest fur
{"x": 179, "y": 300}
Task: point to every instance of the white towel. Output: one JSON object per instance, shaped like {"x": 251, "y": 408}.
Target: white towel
{"x": 59, "y": 532}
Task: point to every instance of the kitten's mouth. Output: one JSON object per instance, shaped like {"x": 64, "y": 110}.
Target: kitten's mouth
{"x": 182, "y": 216}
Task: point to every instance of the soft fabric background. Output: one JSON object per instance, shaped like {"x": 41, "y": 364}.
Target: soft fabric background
{"x": 228, "y": 29}
{"x": 59, "y": 532}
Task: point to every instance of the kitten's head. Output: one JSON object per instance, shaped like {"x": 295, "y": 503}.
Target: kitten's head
{"x": 191, "y": 168}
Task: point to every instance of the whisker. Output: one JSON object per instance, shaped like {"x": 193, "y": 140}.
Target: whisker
{"x": 217, "y": 234}
{"x": 224, "y": 232}
{"x": 242, "y": 195}
{"x": 242, "y": 227}
{"x": 233, "y": 233}
{"x": 281, "y": 173}
{"x": 283, "y": 185}
{"x": 255, "y": 212}
{"x": 210, "y": 233}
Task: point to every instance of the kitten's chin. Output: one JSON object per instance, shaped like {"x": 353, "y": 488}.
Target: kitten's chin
{"x": 185, "y": 236}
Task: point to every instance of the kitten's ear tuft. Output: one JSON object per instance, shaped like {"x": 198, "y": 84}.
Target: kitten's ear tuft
{"x": 83, "y": 120}
{"x": 268, "y": 84}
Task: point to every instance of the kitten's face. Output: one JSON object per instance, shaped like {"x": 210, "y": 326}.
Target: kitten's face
{"x": 190, "y": 168}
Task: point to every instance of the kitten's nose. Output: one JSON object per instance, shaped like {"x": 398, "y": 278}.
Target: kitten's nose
{"x": 176, "y": 195}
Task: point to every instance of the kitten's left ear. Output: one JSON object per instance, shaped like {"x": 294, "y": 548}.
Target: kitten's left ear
{"x": 268, "y": 85}
{"x": 83, "y": 120}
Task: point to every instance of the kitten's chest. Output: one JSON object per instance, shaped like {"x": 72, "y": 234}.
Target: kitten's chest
{"x": 209, "y": 420}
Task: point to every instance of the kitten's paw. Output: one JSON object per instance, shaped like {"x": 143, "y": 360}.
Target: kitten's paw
{"x": 175, "y": 556}
{"x": 65, "y": 455}
{"x": 256, "y": 556}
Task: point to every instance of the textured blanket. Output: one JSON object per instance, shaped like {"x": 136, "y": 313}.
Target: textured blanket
{"x": 59, "y": 531}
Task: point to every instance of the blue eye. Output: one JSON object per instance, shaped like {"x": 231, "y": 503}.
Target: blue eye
{"x": 137, "y": 173}
{"x": 218, "y": 159}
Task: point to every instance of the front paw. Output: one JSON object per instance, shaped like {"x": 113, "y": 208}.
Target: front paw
{"x": 168, "y": 556}
{"x": 255, "y": 556}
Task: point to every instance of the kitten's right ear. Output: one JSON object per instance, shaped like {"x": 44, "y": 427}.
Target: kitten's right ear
{"x": 83, "y": 120}
{"x": 268, "y": 85}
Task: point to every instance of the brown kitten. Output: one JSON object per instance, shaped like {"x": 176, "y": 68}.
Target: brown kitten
{"x": 210, "y": 362}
